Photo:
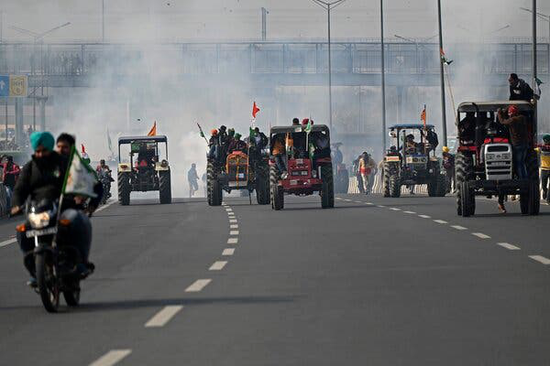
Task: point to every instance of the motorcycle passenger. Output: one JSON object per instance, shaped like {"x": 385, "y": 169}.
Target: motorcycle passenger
{"x": 42, "y": 179}
{"x": 64, "y": 144}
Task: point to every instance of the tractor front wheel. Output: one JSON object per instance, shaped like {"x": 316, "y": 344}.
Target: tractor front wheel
{"x": 277, "y": 193}
{"x": 165, "y": 187}
{"x": 124, "y": 189}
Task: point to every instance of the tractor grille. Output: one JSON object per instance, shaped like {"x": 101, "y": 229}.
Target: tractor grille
{"x": 498, "y": 161}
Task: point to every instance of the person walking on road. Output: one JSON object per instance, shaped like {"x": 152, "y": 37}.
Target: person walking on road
{"x": 449, "y": 166}
{"x": 10, "y": 173}
{"x": 366, "y": 167}
{"x": 192, "y": 179}
{"x": 544, "y": 152}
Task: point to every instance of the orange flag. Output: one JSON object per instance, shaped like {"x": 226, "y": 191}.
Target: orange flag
{"x": 255, "y": 110}
{"x": 153, "y": 131}
{"x": 423, "y": 116}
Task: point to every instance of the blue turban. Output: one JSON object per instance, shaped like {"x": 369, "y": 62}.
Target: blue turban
{"x": 45, "y": 139}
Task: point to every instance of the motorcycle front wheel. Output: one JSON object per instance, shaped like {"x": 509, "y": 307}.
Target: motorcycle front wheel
{"x": 47, "y": 283}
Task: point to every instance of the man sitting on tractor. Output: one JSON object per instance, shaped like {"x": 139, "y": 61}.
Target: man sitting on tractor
{"x": 279, "y": 152}
{"x": 236, "y": 144}
{"x": 146, "y": 157}
{"x": 411, "y": 146}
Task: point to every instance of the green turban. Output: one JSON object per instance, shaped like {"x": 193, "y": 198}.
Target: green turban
{"x": 44, "y": 139}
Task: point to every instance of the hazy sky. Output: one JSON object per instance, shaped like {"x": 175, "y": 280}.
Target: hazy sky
{"x": 173, "y": 20}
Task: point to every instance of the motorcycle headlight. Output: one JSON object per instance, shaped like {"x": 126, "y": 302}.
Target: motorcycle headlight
{"x": 39, "y": 220}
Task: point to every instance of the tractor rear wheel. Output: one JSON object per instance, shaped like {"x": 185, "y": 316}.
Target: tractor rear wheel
{"x": 464, "y": 171}
{"x": 213, "y": 187}
{"x": 276, "y": 192}
{"x": 327, "y": 189}
{"x": 124, "y": 189}
{"x": 262, "y": 186}
{"x": 386, "y": 180}
{"x": 395, "y": 184}
{"x": 467, "y": 205}
{"x": 165, "y": 187}
{"x": 529, "y": 201}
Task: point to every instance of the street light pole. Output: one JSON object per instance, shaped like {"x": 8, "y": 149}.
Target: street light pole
{"x": 328, "y": 7}
{"x": 383, "y": 71}
{"x": 442, "y": 76}
{"x": 103, "y": 21}
{"x": 264, "y": 23}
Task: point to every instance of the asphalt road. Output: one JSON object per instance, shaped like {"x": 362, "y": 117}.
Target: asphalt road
{"x": 374, "y": 281}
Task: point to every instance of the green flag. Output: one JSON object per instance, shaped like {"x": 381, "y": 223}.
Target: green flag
{"x": 80, "y": 178}
{"x": 308, "y": 127}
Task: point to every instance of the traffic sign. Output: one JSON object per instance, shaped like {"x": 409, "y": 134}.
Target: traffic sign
{"x": 4, "y": 86}
{"x": 14, "y": 86}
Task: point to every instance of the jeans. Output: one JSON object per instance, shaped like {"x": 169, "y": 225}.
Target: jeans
{"x": 520, "y": 153}
{"x": 9, "y": 193}
{"x": 280, "y": 162}
{"x": 544, "y": 176}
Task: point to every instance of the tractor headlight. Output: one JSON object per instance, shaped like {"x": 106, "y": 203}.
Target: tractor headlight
{"x": 164, "y": 163}
{"x": 39, "y": 220}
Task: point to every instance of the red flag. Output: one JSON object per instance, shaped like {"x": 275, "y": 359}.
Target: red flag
{"x": 153, "y": 131}
{"x": 255, "y": 110}
{"x": 83, "y": 148}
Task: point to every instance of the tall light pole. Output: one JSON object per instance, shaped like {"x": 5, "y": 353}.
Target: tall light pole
{"x": 383, "y": 71}
{"x": 264, "y": 23}
{"x": 442, "y": 76}
{"x": 328, "y": 7}
{"x": 103, "y": 21}
{"x": 545, "y": 17}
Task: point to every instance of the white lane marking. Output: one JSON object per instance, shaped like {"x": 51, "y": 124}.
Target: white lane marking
{"x": 111, "y": 357}
{"x": 347, "y": 200}
{"x": 425, "y": 216}
{"x": 232, "y": 240}
{"x": 410, "y": 212}
{"x": 235, "y": 226}
{"x": 198, "y": 285}
{"x": 481, "y": 235}
{"x": 369, "y": 203}
{"x": 232, "y": 220}
{"x": 162, "y": 317}
{"x": 458, "y": 227}
{"x": 540, "y": 259}
{"x": 231, "y": 215}
{"x": 395, "y": 209}
{"x": 105, "y": 206}
{"x": 381, "y": 206}
{"x": 217, "y": 266}
{"x": 358, "y": 201}
{"x": 8, "y": 242}
{"x": 509, "y": 246}
{"x": 229, "y": 209}
{"x": 234, "y": 232}
{"x": 441, "y": 221}
{"x": 228, "y": 251}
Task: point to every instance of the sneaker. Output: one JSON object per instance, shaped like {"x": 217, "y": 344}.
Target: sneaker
{"x": 284, "y": 175}
{"x": 32, "y": 283}
{"x": 501, "y": 208}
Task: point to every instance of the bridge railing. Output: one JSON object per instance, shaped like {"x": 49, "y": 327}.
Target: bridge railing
{"x": 262, "y": 58}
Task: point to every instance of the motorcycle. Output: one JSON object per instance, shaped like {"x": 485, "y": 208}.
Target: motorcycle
{"x": 106, "y": 178}
{"x": 55, "y": 260}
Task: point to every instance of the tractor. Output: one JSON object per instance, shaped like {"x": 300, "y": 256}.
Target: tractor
{"x": 484, "y": 160}
{"x": 239, "y": 170}
{"x": 145, "y": 171}
{"x": 410, "y": 163}
{"x": 308, "y": 164}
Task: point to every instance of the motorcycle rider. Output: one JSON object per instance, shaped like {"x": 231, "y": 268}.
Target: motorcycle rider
{"x": 42, "y": 178}
{"x": 104, "y": 174}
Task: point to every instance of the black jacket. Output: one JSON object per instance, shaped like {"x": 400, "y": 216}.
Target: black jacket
{"x": 40, "y": 179}
{"x": 522, "y": 91}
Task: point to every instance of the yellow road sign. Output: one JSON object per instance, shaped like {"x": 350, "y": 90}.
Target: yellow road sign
{"x": 18, "y": 86}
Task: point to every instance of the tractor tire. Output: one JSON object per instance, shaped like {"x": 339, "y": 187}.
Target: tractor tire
{"x": 124, "y": 189}
{"x": 213, "y": 186}
{"x": 165, "y": 187}
{"x": 277, "y": 193}
{"x": 467, "y": 204}
{"x": 386, "y": 181}
{"x": 262, "y": 186}
{"x": 327, "y": 190}
{"x": 395, "y": 185}
{"x": 464, "y": 171}
{"x": 432, "y": 187}
{"x": 441, "y": 185}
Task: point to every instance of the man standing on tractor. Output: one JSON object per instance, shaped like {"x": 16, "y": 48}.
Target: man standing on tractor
{"x": 236, "y": 144}
{"x": 295, "y": 121}
{"x": 279, "y": 152}
{"x": 449, "y": 166}
{"x": 192, "y": 179}
{"x": 213, "y": 144}
{"x": 517, "y": 125}
{"x": 519, "y": 89}
{"x": 544, "y": 151}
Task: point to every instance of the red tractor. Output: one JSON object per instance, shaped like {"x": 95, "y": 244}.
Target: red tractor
{"x": 484, "y": 163}
{"x": 304, "y": 168}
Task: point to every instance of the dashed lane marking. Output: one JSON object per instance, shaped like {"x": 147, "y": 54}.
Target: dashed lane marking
{"x": 540, "y": 259}
{"x": 509, "y": 246}
{"x": 441, "y": 221}
{"x": 235, "y": 226}
{"x": 425, "y": 216}
{"x": 395, "y": 209}
{"x": 228, "y": 251}
{"x": 217, "y": 266}
{"x": 232, "y": 220}
{"x": 105, "y": 206}
{"x": 234, "y": 232}
{"x": 111, "y": 357}
{"x": 198, "y": 285}
{"x": 358, "y": 201}
{"x": 410, "y": 212}
{"x": 381, "y": 206}
{"x": 481, "y": 235}
{"x": 369, "y": 203}
{"x": 162, "y": 317}
{"x": 7, "y": 242}
{"x": 458, "y": 227}
{"x": 232, "y": 240}
{"x": 347, "y": 200}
